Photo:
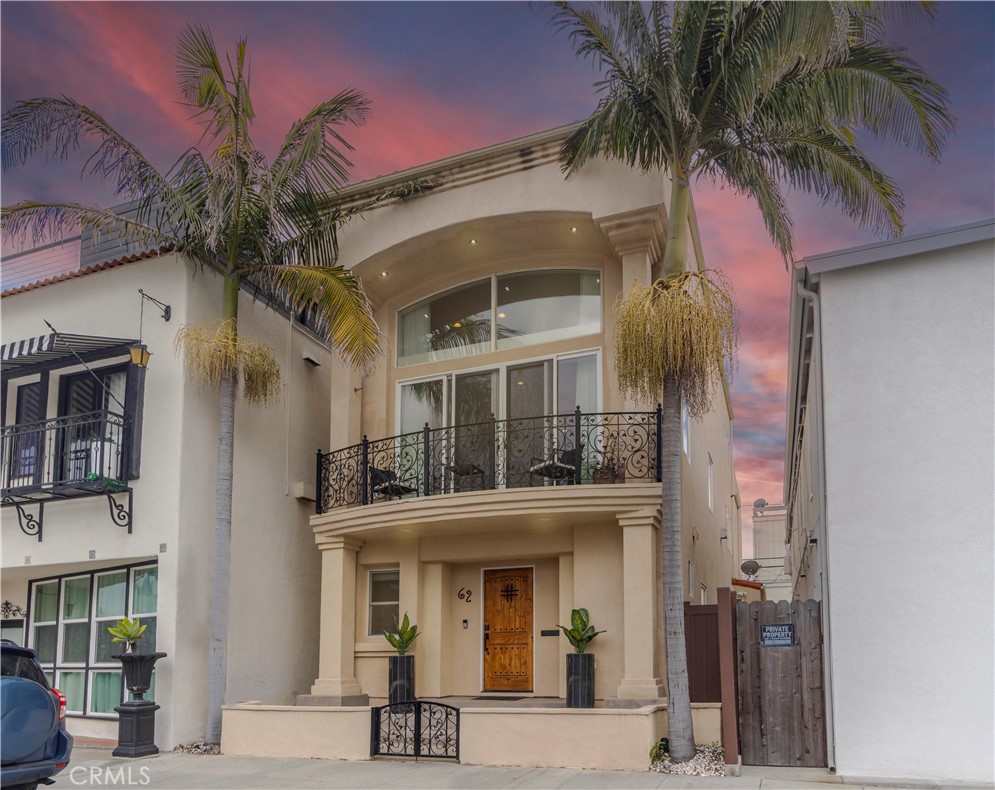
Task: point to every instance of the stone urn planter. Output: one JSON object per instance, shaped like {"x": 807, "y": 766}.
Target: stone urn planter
{"x": 138, "y": 672}
{"x": 136, "y": 717}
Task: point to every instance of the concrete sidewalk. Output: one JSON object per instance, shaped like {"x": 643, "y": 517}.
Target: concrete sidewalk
{"x": 96, "y": 768}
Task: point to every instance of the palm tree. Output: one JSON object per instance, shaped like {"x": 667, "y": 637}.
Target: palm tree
{"x": 257, "y": 223}
{"x": 755, "y": 96}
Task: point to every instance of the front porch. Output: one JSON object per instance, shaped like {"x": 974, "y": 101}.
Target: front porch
{"x": 566, "y": 547}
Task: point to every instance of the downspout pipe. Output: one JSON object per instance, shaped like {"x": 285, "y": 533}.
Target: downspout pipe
{"x": 813, "y": 299}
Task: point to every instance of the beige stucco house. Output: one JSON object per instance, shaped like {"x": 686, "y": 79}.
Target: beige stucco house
{"x": 108, "y": 483}
{"x": 488, "y": 477}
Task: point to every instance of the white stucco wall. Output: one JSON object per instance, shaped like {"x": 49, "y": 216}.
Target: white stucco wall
{"x": 908, "y": 360}
{"x": 275, "y": 566}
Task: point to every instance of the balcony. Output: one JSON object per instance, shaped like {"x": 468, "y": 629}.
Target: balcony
{"x": 534, "y": 452}
{"x": 65, "y": 457}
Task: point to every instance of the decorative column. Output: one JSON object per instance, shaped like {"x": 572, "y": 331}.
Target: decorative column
{"x": 640, "y": 685}
{"x": 336, "y": 683}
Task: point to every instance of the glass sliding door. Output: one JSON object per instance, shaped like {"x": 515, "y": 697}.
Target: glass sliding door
{"x": 529, "y": 400}
{"x": 475, "y": 401}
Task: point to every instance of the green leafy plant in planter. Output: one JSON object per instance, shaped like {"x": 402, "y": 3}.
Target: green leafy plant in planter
{"x": 581, "y": 631}
{"x": 401, "y": 668}
{"x": 129, "y": 632}
{"x": 402, "y": 636}
{"x": 580, "y": 665}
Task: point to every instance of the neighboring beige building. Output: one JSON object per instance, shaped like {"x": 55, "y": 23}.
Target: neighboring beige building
{"x": 484, "y": 519}
{"x": 889, "y": 466}
{"x": 769, "y": 523}
{"x": 70, "y": 557}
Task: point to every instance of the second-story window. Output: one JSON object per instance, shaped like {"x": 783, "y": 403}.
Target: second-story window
{"x": 500, "y": 312}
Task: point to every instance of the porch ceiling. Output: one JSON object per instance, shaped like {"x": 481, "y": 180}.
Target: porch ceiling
{"x": 484, "y": 512}
{"x": 445, "y": 252}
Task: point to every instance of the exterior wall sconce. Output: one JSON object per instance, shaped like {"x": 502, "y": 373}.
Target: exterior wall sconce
{"x": 139, "y": 355}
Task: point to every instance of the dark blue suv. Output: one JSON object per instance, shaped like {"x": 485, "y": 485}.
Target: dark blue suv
{"x": 34, "y": 744}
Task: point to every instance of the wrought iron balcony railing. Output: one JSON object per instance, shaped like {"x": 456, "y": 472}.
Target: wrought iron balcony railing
{"x": 560, "y": 449}
{"x": 63, "y": 457}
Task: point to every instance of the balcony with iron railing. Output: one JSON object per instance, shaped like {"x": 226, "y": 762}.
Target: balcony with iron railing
{"x": 62, "y": 458}
{"x": 578, "y": 448}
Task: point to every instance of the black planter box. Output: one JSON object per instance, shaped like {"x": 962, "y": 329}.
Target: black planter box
{"x": 402, "y": 679}
{"x": 580, "y": 680}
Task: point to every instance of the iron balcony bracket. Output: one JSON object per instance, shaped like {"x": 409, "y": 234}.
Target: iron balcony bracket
{"x": 120, "y": 515}
{"x": 28, "y": 523}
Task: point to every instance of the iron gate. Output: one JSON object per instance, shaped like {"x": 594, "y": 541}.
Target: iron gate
{"x": 415, "y": 729}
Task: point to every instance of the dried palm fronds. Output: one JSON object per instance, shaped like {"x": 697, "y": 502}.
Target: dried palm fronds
{"x": 211, "y": 348}
{"x": 685, "y": 326}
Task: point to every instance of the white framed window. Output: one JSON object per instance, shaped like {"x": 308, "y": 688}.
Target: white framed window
{"x": 711, "y": 483}
{"x": 704, "y": 595}
{"x": 500, "y": 312}
{"x": 385, "y": 593}
{"x": 686, "y": 431}
{"x": 68, "y": 621}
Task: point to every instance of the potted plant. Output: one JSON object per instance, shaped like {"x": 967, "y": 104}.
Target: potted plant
{"x": 580, "y": 665}
{"x": 609, "y": 470}
{"x": 402, "y": 666}
{"x": 137, "y": 666}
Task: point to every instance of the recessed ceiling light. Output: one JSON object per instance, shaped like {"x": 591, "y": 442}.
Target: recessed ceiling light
{"x": 384, "y": 275}
{"x": 425, "y": 314}
{"x": 573, "y": 229}
{"x": 473, "y": 242}
{"x": 521, "y": 383}
{"x": 507, "y": 288}
{"x": 502, "y": 315}
{"x": 457, "y": 324}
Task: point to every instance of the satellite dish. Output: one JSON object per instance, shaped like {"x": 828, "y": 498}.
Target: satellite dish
{"x": 750, "y": 567}
{"x": 760, "y": 503}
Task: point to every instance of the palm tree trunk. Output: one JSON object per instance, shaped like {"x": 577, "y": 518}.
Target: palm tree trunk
{"x": 679, "y": 725}
{"x": 217, "y": 676}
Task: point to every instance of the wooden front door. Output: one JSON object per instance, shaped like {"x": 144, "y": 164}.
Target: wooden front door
{"x": 508, "y": 637}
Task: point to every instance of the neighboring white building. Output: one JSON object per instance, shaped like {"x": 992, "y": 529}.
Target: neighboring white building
{"x": 769, "y": 522}
{"x": 889, "y": 487}
{"x": 73, "y": 437}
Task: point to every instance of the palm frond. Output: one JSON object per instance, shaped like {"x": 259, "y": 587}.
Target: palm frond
{"x": 311, "y": 157}
{"x": 47, "y": 222}
{"x": 336, "y": 298}
{"x": 59, "y": 126}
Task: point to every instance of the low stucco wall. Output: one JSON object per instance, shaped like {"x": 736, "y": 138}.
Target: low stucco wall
{"x": 290, "y": 731}
{"x": 601, "y": 738}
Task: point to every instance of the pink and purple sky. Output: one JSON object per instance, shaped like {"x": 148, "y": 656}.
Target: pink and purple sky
{"x": 450, "y": 77}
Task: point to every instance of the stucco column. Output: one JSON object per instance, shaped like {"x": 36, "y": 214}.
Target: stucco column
{"x": 566, "y": 605}
{"x": 432, "y": 645}
{"x": 336, "y": 683}
{"x": 640, "y": 532}
{"x": 637, "y": 238}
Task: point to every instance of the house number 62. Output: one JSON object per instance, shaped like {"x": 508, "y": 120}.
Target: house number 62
{"x": 464, "y": 594}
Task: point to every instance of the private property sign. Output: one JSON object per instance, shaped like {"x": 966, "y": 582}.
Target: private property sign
{"x": 777, "y": 635}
